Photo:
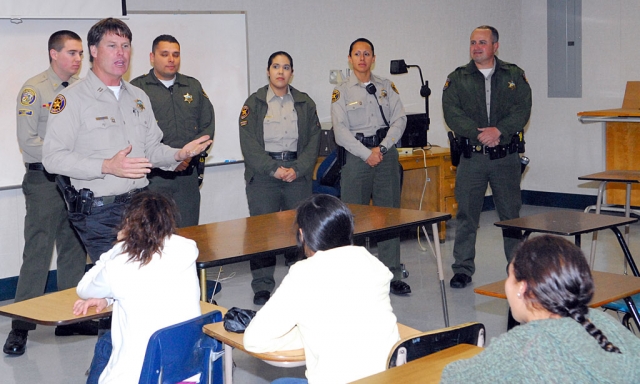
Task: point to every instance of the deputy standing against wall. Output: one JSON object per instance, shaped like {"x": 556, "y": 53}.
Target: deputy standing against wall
{"x": 184, "y": 112}
{"x": 279, "y": 138}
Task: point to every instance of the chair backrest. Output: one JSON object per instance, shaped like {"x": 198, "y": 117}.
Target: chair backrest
{"x": 423, "y": 344}
{"x": 181, "y": 351}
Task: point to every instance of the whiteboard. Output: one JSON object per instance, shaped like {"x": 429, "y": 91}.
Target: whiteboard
{"x": 213, "y": 48}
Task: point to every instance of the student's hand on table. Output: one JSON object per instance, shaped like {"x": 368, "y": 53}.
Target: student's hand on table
{"x": 80, "y": 307}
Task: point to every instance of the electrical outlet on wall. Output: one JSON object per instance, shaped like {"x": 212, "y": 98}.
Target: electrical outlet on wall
{"x": 335, "y": 76}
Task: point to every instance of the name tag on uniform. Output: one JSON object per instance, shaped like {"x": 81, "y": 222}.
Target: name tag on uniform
{"x": 102, "y": 118}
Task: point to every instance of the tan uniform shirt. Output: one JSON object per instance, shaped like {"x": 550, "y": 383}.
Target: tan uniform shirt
{"x": 354, "y": 110}
{"x": 34, "y": 100}
{"x": 280, "y": 123}
{"x": 88, "y": 125}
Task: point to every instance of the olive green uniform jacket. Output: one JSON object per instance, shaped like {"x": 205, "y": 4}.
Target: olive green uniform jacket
{"x": 464, "y": 105}
{"x": 183, "y": 111}
{"x": 256, "y": 159}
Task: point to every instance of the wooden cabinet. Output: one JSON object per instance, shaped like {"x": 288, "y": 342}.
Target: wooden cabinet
{"x": 437, "y": 193}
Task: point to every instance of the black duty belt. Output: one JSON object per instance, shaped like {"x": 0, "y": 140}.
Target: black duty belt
{"x": 479, "y": 148}
{"x": 35, "y": 166}
{"x": 284, "y": 156}
{"x": 369, "y": 141}
{"x": 123, "y": 198}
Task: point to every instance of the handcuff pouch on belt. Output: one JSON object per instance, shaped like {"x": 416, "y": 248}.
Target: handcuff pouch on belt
{"x": 454, "y": 146}
{"x": 77, "y": 201}
{"x": 199, "y": 166}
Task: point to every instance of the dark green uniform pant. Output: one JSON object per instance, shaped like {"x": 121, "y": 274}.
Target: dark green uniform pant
{"x": 360, "y": 183}
{"x": 46, "y": 223}
{"x": 266, "y": 194}
{"x": 184, "y": 190}
{"x": 503, "y": 175}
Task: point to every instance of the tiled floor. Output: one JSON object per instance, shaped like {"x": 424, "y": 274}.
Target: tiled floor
{"x": 51, "y": 359}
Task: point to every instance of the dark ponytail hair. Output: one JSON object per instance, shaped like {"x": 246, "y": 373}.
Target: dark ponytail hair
{"x": 326, "y": 223}
{"x": 559, "y": 280}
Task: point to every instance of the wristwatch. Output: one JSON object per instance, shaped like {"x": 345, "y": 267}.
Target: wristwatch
{"x": 383, "y": 149}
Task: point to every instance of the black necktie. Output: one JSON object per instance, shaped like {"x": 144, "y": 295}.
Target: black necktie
{"x": 65, "y": 84}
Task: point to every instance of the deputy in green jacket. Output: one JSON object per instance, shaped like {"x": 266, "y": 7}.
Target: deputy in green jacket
{"x": 184, "y": 112}
{"x": 486, "y": 101}
{"x": 279, "y": 138}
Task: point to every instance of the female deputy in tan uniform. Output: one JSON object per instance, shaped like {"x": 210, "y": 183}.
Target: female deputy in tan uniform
{"x": 279, "y": 138}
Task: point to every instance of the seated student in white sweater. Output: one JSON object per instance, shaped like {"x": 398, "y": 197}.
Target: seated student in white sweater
{"x": 149, "y": 276}
{"x": 346, "y": 326}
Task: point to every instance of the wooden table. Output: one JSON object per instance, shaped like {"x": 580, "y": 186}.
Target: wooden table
{"x": 573, "y": 223}
{"x": 426, "y": 369}
{"x": 243, "y": 239}
{"x": 622, "y": 139}
{"x": 609, "y": 287}
{"x": 292, "y": 358}
{"x": 57, "y": 309}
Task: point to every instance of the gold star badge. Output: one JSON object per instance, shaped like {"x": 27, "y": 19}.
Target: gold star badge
{"x": 58, "y": 105}
{"x": 512, "y": 85}
{"x": 244, "y": 113}
{"x": 188, "y": 98}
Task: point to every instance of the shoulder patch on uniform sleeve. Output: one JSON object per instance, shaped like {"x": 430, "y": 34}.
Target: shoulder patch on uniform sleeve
{"x": 58, "y": 105}
{"x": 446, "y": 84}
{"x": 393, "y": 86}
{"x": 28, "y": 96}
{"x": 244, "y": 113}
{"x": 335, "y": 96}
{"x": 205, "y": 94}
{"x": 525, "y": 78}
{"x": 25, "y": 112}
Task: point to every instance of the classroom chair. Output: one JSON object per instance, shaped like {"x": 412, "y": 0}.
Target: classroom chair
{"x": 426, "y": 343}
{"x": 181, "y": 351}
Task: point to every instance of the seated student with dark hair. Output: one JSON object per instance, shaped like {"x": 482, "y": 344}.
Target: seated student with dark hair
{"x": 346, "y": 327}
{"x": 150, "y": 278}
{"x": 561, "y": 340}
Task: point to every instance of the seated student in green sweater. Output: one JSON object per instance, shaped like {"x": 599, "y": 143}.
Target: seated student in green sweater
{"x": 560, "y": 340}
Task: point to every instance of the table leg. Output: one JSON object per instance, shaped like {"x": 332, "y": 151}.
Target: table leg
{"x": 436, "y": 243}
{"x": 525, "y": 235}
{"x": 228, "y": 364}
{"x": 627, "y": 213}
{"x": 627, "y": 253}
{"x": 633, "y": 310}
{"x": 594, "y": 238}
{"x": 578, "y": 240}
{"x": 202, "y": 274}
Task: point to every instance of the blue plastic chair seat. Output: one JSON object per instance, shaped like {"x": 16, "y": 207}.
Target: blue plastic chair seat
{"x": 181, "y": 351}
{"x": 620, "y": 305}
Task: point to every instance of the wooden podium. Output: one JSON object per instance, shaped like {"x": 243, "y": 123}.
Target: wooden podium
{"x": 622, "y": 140}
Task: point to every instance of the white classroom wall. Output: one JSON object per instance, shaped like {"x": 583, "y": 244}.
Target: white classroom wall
{"x": 433, "y": 34}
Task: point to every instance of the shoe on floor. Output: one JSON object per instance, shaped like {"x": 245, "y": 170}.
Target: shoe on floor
{"x": 459, "y": 280}
{"x": 399, "y": 287}
{"x": 16, "y": 342}
{"x": 260, "y": 298}
{"x": 86, "y": 328}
